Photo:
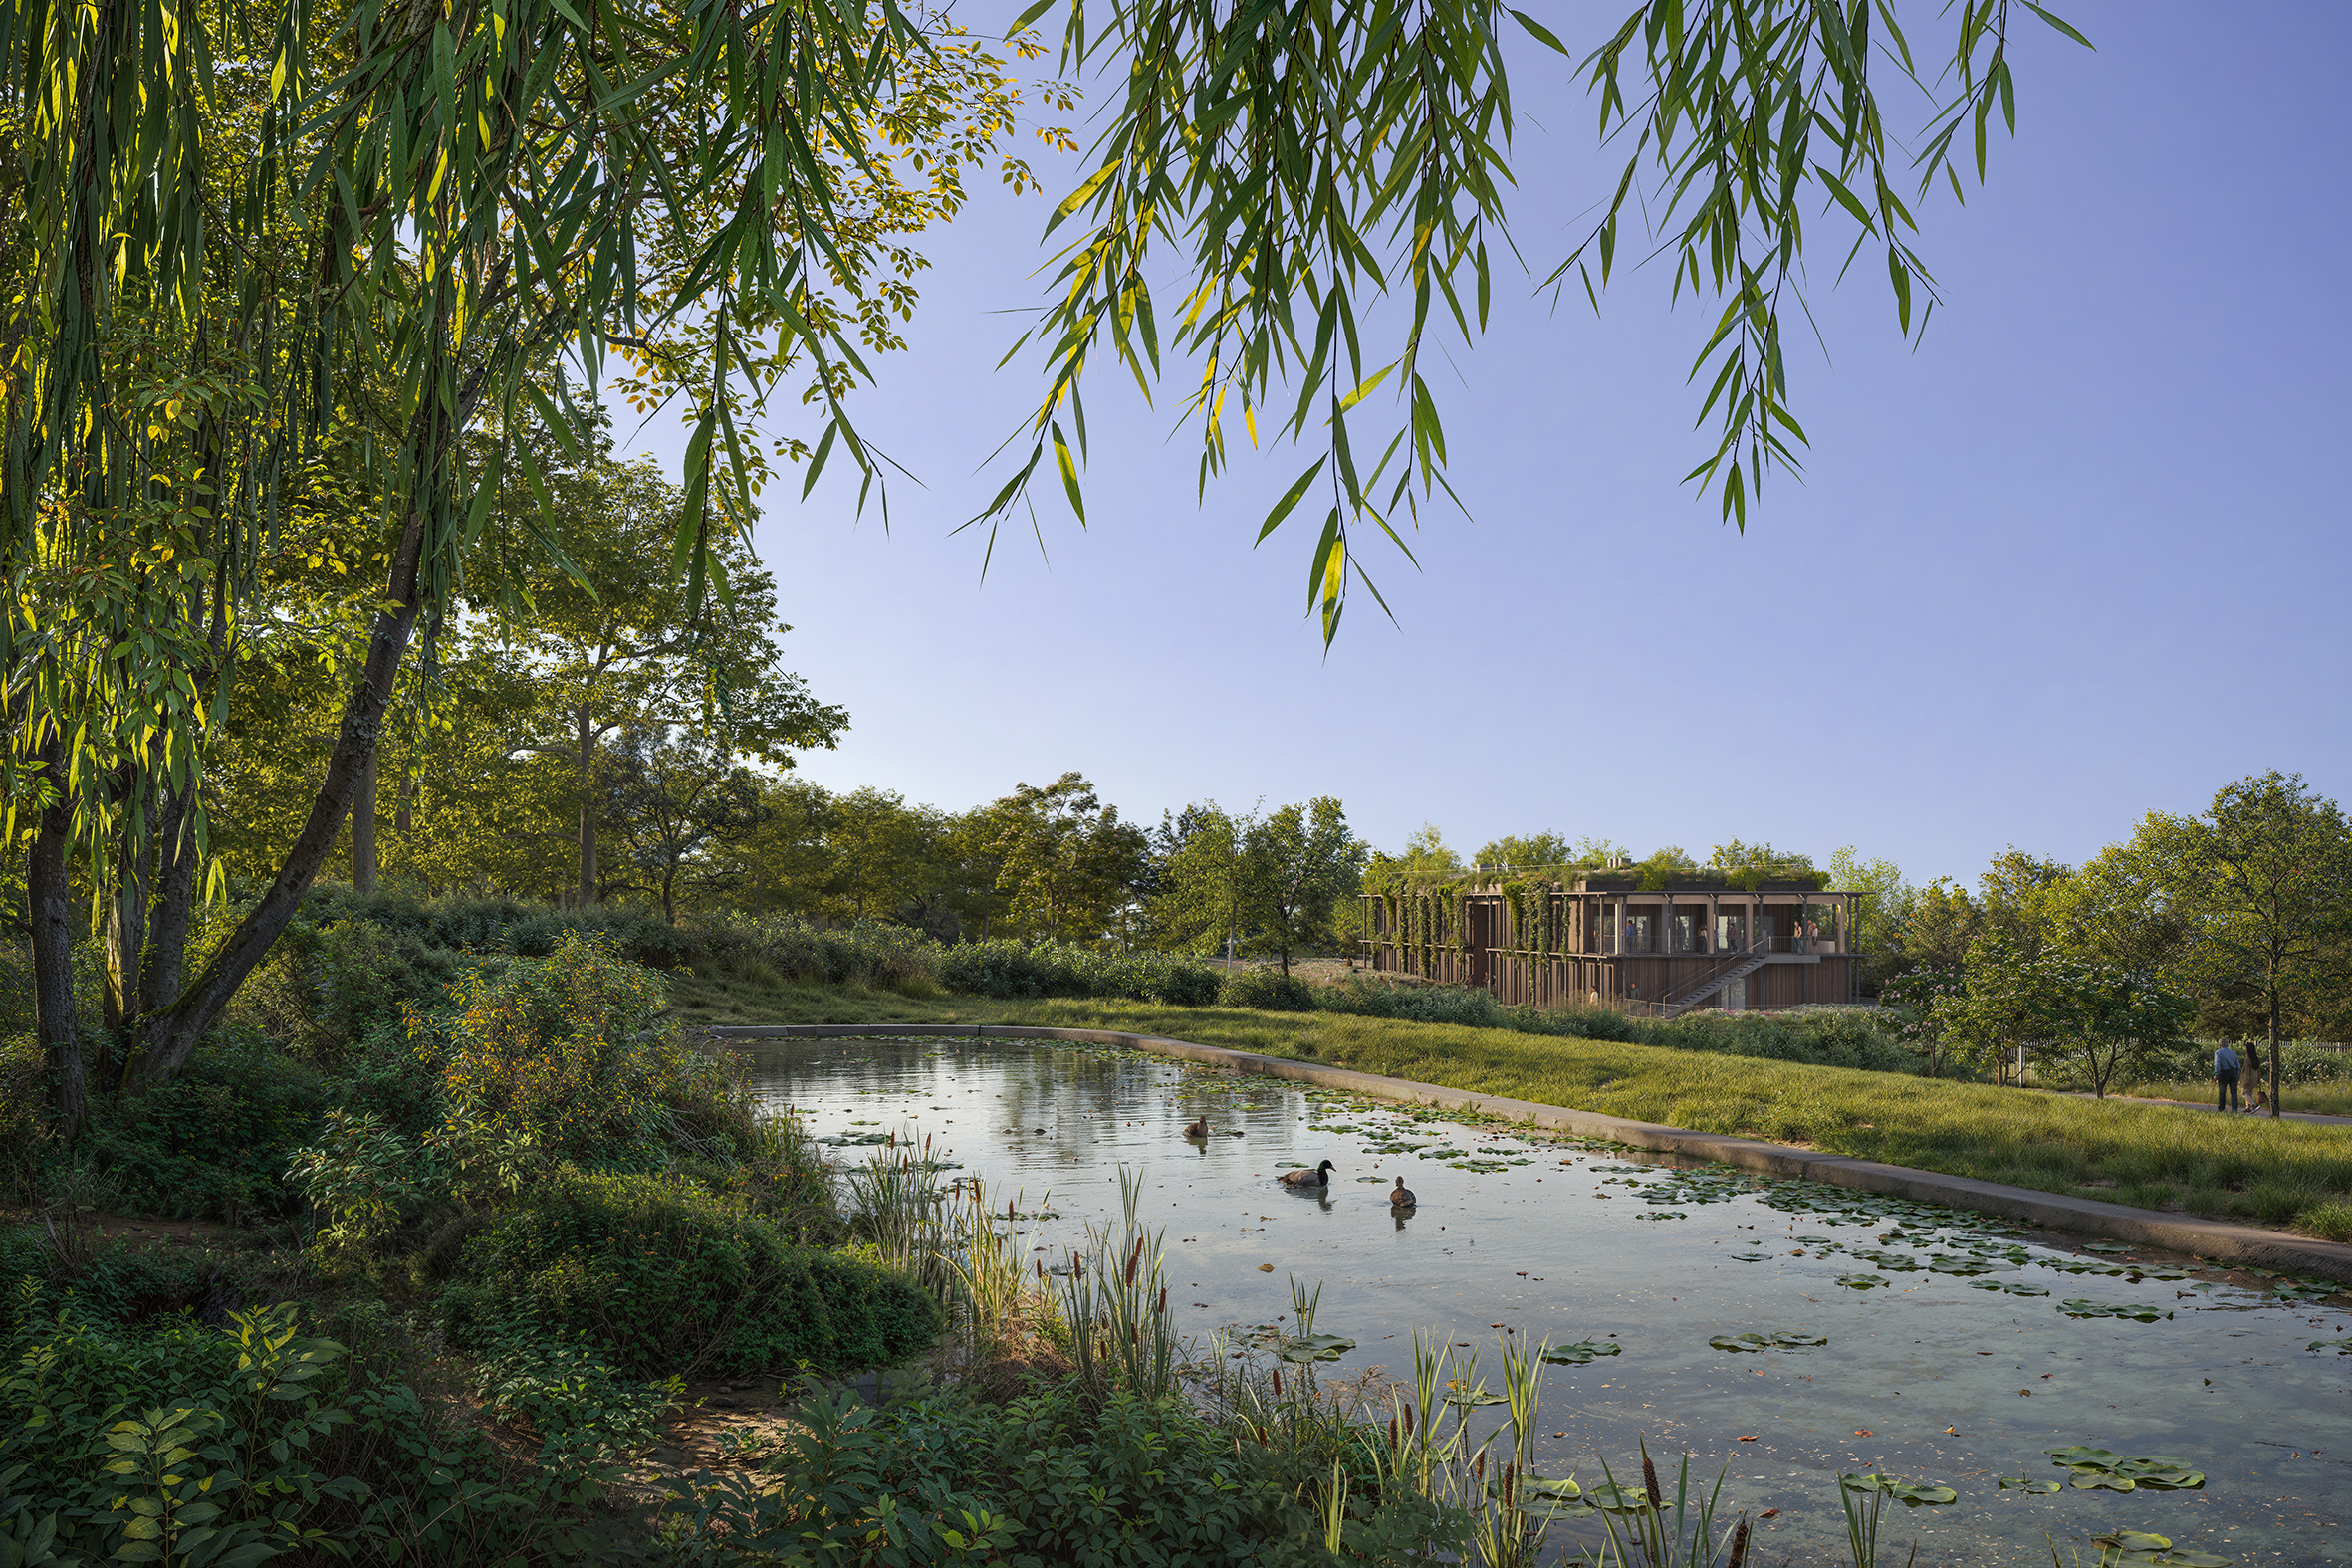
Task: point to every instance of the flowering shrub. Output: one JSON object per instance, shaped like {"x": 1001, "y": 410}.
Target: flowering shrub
{"x": 559, "y": 1058}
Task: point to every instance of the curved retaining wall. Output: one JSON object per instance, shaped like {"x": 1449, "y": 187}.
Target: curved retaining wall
{"x": 2216, "y": 1241}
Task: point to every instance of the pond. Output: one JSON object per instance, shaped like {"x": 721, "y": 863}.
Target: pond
{"x": 1924, "y": 1342}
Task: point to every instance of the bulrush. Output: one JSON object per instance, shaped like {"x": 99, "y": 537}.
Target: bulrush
{"x": 1649, "y": 1480}
{"x": 1738, "y": 1545}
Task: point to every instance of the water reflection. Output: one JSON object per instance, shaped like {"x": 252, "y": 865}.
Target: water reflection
{"x": 1942, "y": 1372}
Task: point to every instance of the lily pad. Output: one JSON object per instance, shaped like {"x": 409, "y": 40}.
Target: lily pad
{"x": 1927, "y": 1496}
{"x": 1778, "y": 1341}
{"x": 1580, "y": 1353}
{"x": 1371, "y": 1177}
{"x": 2037, "y": 1488}
{"x": 2106, "y": 1246}
{"x": 2303, "y": 1293}
{"x": 2125, "y": 1309}
{"x": 2342, "y": 1347}
{"x": 1316, "y": 1347}
{"x": 1612, "y": 1499}
{"x": 2142, "y": 1546}
{"x": 1749, "y": 1258}
{"x": 1864, "y": 1282}
{"x": 2015, "y": 1287}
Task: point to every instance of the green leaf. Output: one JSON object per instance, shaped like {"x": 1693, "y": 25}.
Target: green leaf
{"x": 1543, "y": 34}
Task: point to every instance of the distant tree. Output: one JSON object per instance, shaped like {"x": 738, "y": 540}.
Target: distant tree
{"x": 2265, "y": 878}
{"x": 2098, "y": 1021}
{"x": 879, "y": 850}
{"x": 1882, "y": 916}
{"x": 1426, "y": 852}
{"x": 1944, "y": 919}
{"x": 1196, "y": 892}
{"x": 1528, "y": 853}
{"x": 2017, "y": 897}
{"x": 671, "y": 795}
{"x": 616, "y": 645}
{"x": 1068, "y": 862}
{"x": 1294, "y": 867}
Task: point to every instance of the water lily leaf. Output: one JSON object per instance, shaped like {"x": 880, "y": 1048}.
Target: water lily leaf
{"x": 2094, "y": 1481}
{"x": 2037, "y": 1489}
{"x": 1793, "y": 1341}
{"x": 2134, "y": 1541}
{"x": 2155, "y": 1472}
{"x": 2182, "y": 1557}
{"x": 2342, "y": 1347}
{"x": 1537, "y": 1485}
{"x": 1580, "y": 1353}
{"x": 2102, "y": 1458}
{"x": 1742, "y": 1342}
{"x": 2303, "y": 1293}
{"x": 1316, "y": 1347}
{"x": 1749, "y": 1258}
{"x": 1620, "y": 1499}
{"x": 1866, "y": 1281}
{"x": 2107, "y": 1246}
{"x": 1921, "y": 1495}
{"x": 1474, "y": 1398}
{"x": 2125, "y": 1309}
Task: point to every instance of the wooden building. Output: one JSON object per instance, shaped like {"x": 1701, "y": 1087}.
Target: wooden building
{"x": 1697, "y": 942}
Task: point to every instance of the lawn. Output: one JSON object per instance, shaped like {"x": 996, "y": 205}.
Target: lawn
{"x": 2153, "y": 1157}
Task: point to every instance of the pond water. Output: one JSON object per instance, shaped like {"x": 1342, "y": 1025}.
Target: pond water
{"x": 1961, "y": 1365}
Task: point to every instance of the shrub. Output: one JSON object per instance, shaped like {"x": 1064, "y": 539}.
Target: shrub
{"x": 1269, "y": 990}
{"x": 1049, "y": 1478}
{"x": 667, "y": 1276}
{"x": 585, "y": 1416}
{"x": 212, "y": 1143}
{"x": 549, "y": 1060}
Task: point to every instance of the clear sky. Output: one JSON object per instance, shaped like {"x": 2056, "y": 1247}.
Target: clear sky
{"x": 2079, "y": 555}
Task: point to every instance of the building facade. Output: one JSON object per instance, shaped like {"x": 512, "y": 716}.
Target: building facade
{"x": 1693, "y": 942}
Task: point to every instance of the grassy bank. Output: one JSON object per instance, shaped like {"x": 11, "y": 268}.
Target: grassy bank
{"x": 2153, "y": 1157}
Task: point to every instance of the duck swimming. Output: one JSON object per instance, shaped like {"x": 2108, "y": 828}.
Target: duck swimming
{"x": 1320, "y": 1175}
{"x": 1199, "y": 1129}
{"x": 1403, "y": 1197}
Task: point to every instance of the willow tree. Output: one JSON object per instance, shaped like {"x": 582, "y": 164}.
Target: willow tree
{"x": 262, "y": 249}
{"x": 407, "y": 222}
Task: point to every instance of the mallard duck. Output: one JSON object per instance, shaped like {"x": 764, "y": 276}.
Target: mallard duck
{"x": 1320, "y": 1175}
{"x": 1199, "y": 1129}
{"x": 1402, "y": 1197}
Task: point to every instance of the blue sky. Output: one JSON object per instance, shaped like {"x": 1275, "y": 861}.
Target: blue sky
{"x": 2079, "y": 555}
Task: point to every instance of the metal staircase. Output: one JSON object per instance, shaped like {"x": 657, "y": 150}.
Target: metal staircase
{"x": 1681, "y": 1001}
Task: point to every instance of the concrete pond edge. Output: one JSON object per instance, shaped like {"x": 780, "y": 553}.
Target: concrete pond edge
{"x": 2214, "y": 1241}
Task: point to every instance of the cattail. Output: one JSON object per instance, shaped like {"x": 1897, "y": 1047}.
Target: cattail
{"x": 1408, "y": 1421}
{"x": 1649, "y": 1480}
{"x": 1393, "y": 1441}
{"x": 1134, "y": 1258}
{"x": 1510, "y": 1482}
{"x": 1739, "y": 1544}
{"x": 1278, "y": 1383}
{"x": 1477, "y": 1467}
{"x": 1163, "y": 1300}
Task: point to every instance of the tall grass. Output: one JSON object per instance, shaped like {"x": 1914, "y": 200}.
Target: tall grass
{"x": 1115, "y": 1304}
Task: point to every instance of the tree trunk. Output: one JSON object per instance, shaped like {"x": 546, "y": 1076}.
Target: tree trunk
{"x": 52, "y": 899}
{"x": 170, "y": 1036}
{"x": 588, "y": 810}
{"x": 126, "y": 901}
{"x": 364, "y": 862}
{"x": 2274, "y": 1054}
{"x": 176, "y": 897}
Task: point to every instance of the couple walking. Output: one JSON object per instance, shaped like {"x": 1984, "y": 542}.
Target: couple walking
{"x": 2226, "y": 1069}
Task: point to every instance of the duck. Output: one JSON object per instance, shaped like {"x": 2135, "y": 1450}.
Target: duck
{"x": 1199, "y": 1129}
{"x": 1402, "y": 1197}
{"x": 1320, "y": 1175}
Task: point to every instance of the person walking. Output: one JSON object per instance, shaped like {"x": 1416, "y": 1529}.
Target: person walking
{"x": 2226, "y": 1067}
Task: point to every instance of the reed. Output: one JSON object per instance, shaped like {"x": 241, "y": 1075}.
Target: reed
{"x": 1115, "y": 1304}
